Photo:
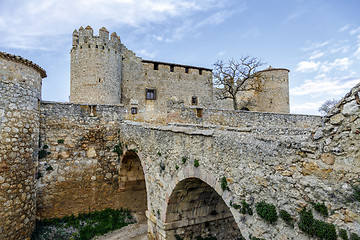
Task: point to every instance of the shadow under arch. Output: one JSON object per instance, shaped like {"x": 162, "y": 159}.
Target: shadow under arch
{"x": 132, "y": 182}
{"x": 195, "y": 209}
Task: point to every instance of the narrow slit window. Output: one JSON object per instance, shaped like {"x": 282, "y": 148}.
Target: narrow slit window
{"x": 171, "y": 68}
{"x": 194, "y": 101}
{"x": 156, "y": 66}
{"x": 200, "y": 71}
{"x": 186, "y": 70}
{"x": 150, "y": 94}
{"x": 96, "y": 46}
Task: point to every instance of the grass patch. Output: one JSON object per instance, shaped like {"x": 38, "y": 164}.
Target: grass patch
{"x": 83, "y": 227}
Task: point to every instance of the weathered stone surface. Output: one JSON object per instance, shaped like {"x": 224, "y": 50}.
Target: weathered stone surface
{"x": 350, "y": 108}
{"x": 328, "y": 158}
{"x": 337, "y": 119}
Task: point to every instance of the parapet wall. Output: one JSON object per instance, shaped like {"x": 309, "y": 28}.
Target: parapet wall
{"x": 20, "y": 91}
{"x": 245, "y": 120}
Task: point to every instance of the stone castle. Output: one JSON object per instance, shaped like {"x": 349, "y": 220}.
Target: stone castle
{"x": 150, "y": 136}
{"x": 114, "y": 75}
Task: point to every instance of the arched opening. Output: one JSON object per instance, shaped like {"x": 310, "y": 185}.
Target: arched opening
{"x": 196, "y": 210}
{"x": 132, "y": 183}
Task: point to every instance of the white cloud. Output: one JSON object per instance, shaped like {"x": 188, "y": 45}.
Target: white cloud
{"x": 357, "y": 52}
{"x": 145, "y": 53}
{"x": 344, "y": 28}
{"x": 307, "y": 66}
{"x": 315, "y": 46}
{"x": 306, "y": 107}
{"x": 19, "y": 20}
{"x": 222, "y": 53}
{"x": 340, "y": 64}
{"x": 355, "y": 31}
{"x": 316, "y": 55}
{"x": 325, "y": 86}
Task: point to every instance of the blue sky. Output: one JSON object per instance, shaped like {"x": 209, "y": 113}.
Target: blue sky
{"x": 317, "y": 40}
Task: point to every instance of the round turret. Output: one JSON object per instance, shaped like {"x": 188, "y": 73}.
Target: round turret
{"x": 274, "y": 91}
{"x": 95, "y": 67}
{"x": 20, "y": 91}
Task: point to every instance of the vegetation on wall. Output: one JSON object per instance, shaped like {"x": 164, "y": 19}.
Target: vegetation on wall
{"x": 196, "y": 163}
{"x": 316, "y": 228}
{"x": 43, "y": 152}
{"x": 288, "y": 219}
{"x": 224, "y": 185}
{"x": 321, "y": 208}
{"x": 83, "y": 227}
{"x": 267, "y": 211}
{"x": 118, "y": 149}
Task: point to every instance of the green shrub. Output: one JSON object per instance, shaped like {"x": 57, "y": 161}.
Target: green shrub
{"x": 196, "y": 163}
{"x": 343, "y": 234}
{"x": 224, "y": 185}
{"x": 159, "y": 154}
{"x": 284, "y": 215}
{"x": 60, "y": 141}
{"x": 267, "y": 211}
{"x": 176, "y": 167}
{"x": 321, "y": 208}
{"x": 354, "y": 236}
{"x": 245, "y": 208}
{"x": 183, "y": 160}
{"x": 118, "y": 150}
{"x": 316, "y": 228}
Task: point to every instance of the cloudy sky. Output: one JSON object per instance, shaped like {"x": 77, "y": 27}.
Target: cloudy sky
{"x": 317, "y": 40}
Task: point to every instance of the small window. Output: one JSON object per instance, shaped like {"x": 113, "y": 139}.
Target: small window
{"x": 134, "y": 110}
{"x": 194, "y": 101}
{"x": 89, "y": 45}
{"x": 199, "y": 113}
{"x": 186, "y": 70}
{"x": 171, "y": 68}
{"x": 96, "y": 46}
{"x": 151, "y": 94}
{"x": 156, "y": 66}
{"x": 200, "y": 71}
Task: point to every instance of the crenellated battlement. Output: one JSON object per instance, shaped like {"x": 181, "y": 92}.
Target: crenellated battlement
{"x": 84, "y": 37}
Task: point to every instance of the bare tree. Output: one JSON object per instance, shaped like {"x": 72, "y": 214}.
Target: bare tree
{"x": 327, "y": 106}
{"x": 235, "y": 76}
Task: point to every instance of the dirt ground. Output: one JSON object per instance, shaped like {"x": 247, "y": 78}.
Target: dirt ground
{"x": 137, "y": 231}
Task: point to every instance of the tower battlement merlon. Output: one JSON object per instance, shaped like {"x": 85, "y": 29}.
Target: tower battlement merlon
{"x": 86, "y": 36}
{"x": 177, "y": 65}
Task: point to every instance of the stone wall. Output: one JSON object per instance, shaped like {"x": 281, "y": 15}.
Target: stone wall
{"x": 169, "y": 82}
{"x": 20, "y": 91}
{"x": 95, "y": 67}
{"x": 81, "y": 170}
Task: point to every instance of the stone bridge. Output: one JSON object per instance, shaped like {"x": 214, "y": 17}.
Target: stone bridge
{"x": 191, "y": 174}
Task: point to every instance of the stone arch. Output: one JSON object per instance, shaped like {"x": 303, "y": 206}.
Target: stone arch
{"x": 132, "y": 181}
{"x": 196, "y": 207}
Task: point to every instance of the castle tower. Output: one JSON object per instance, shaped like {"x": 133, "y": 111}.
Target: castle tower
{"x": 20, "y": 91}
{"x": 274, "y": 91}
{"x": 95, "y": 67}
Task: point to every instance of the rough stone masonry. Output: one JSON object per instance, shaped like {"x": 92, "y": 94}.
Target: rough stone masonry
{"x": 188, "y": 172}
